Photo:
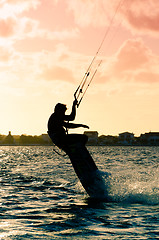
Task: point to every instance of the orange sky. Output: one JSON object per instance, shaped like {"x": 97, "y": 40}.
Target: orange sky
{"x": 47, "y": 45}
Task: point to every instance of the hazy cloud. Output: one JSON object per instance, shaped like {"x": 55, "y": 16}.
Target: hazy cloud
{"x": 5, "y": 54}
{"x": 11, "y": 7}
{"x": 17, "y": 29}
{"x": 141, "y": 16}
{"x": 147, "y": 77}
{"x": 132, "y": 55}
{"x": 7, "y": 27}
{"x": 88, "y": 12}
{"x": 14, "y": 26}
{"x": 134, "y": 62}
{"x": 57, "y": 73}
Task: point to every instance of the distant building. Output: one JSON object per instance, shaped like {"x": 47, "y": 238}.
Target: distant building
{"x": 9, "y": 139}
{"x": 92, "y": 137}
{"x": 151, "y": 138}
{"x": 107, "y": 140}
{"x": 126, "y": 138}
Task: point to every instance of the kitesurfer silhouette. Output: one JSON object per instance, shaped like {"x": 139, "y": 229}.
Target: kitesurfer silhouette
{"x": 58, "y": 124}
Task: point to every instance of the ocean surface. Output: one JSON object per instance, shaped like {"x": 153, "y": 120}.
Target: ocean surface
{"x": 42, "y": 198}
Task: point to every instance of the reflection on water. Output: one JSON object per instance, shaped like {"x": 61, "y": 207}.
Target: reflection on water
{"x": 41, "y": 197}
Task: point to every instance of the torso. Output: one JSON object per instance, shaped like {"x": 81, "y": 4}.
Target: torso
{"x": 55, "y": 125}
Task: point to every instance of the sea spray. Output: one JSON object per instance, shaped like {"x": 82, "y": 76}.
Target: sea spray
{"x": 135, "y": 186}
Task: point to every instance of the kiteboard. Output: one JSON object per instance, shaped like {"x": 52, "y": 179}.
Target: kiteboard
{"x": 87, "y": 171}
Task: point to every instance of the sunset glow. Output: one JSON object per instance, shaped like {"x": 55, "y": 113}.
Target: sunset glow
{"x": 46, "y": 47}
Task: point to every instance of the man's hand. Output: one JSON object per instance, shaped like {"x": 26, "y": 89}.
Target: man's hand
{"x": 75, "y": 102}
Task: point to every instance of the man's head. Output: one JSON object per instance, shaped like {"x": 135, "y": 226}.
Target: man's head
{"x": 60, "y": 107}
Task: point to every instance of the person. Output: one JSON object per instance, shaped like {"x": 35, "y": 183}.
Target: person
{"x": 58, "y": 125}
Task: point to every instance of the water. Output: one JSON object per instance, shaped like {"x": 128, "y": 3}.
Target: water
{"x": 41, "y": 197}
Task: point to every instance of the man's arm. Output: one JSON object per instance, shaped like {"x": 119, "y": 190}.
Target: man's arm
{"x": 74, "y": 125}
{"x": 72, "y": 116}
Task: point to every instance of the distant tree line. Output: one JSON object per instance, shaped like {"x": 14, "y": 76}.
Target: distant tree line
{"x": 24, "y": 140}
{"x": 147, "y": 139}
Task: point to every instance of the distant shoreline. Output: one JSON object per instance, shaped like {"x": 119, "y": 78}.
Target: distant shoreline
{"x": 88, "y": 145}
{"x": 124, "y": 139}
